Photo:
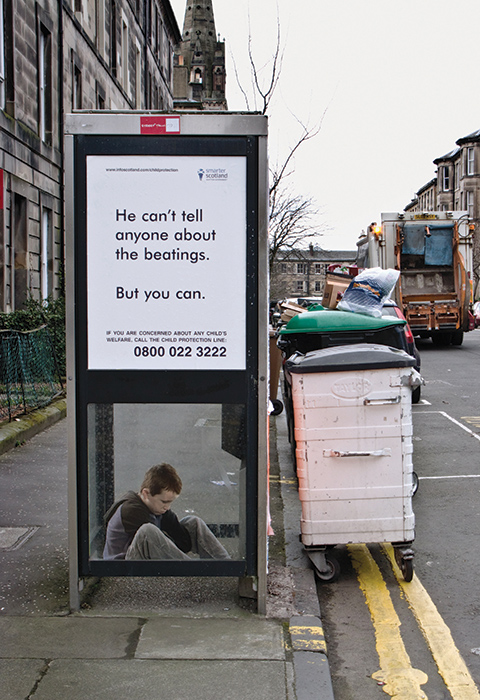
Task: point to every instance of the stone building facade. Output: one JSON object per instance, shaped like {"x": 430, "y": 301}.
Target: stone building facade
{"x": 456, "y": 187}
{"x": 302, "y": 272}
{"x": 58, "y": 56}
{"x": 199, "y": 74}
{"x": 457, "y": 184}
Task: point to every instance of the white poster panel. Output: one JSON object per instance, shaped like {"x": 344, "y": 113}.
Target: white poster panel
{"x": 166, "y": 262}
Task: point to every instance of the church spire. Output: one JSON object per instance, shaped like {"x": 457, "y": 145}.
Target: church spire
{"x": 199, "y": 67}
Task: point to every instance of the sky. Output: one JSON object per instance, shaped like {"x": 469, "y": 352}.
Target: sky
{"x": 391, "y": 83}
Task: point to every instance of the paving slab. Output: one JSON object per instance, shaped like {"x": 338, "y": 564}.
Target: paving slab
{"x": 19, "y": 676}
{"x": 66, "y": 637}
{"x": 212, "y": 638}
{"x": 178, "y": 680}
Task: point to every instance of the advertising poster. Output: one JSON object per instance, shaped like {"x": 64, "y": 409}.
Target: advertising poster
{"x": 166, "y": 262}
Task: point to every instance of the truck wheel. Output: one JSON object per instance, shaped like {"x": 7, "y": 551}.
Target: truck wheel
{"x": 440, "y": 338}
{"x": 457, "y": 338}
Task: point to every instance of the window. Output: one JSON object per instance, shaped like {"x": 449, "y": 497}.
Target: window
{"x": 155, "y": 28}
{"x": 138, "y": 75}
{"x": 77, "y": 88}
{"x": 283, "y": 267}
{"x": 318, "y": 268}
{"x": 470, "y": 161}
{"x": 469, "y": 196}
{"x": 301, "y": 268}
{"x": 457, "y": 175}
{"x": 8, "y": 36}
{"x": 125, "y": 81}
{"x": 318, "y": 286}
{"x": 2, "y": 57}
{"x": 113, "y": 37}
{"x": 446, "y": 178}
{"x": 300, "y": 286}
{"x": 99, "y": 96}
{"x": 19, "y": 253}
{"x": 46, "y": 256}
{"x": 45, "y": 84}
{"x": 100, "y": 27}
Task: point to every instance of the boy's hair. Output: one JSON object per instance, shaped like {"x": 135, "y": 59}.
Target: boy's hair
{"x": 160, "y": 477}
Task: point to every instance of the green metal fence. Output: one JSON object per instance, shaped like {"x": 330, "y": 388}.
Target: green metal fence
{"x": 29, "y": 376}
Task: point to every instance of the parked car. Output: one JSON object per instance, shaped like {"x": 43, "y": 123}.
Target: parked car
{"x": 476, "y": 313}
{"x": 390, "y": 308}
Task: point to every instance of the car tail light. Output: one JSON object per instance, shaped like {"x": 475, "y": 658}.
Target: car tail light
{"x": 409, "y": 334}
{"x": 408, "y": 331}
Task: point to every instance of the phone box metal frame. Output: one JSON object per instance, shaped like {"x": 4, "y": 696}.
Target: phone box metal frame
{"x": 97, "y": 375}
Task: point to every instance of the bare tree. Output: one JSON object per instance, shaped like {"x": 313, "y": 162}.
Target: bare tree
{"x": 293, "y": 217}
{"x": 291, "y": 224}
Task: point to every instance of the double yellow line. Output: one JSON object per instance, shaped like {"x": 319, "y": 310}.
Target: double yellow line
{"x": 396, "y": 674}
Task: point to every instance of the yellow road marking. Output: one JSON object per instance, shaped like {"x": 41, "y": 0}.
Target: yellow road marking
{"x": 282, "y": 479}
{"x": 308, "y": 638}
{"x": 474, "y": 420}
{"x": 402, "y": 681}
{"x": 451, "y": 665}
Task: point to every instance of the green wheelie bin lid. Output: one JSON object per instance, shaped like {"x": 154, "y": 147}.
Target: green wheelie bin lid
{"x": 334, "y": 320}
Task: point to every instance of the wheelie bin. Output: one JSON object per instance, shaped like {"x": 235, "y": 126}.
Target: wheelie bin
{"x": 353, "y": 433}
{"x": 275, "y": 359}
{"x": 325, "y": 328}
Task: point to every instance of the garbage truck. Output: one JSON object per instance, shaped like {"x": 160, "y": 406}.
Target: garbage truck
{"x": 434, "y": 253}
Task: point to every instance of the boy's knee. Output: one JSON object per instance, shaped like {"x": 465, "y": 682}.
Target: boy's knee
{"x": 147, "y": 529}
{"x": 192, "y": 522}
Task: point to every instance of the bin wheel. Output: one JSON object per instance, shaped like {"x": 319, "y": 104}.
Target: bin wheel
{"x": 416, "y": 394}
{"x": 406, "y": 567}
{"x": 333, "y": 572}
{"x": 277, "y": 407}
{"x": 404, "y": 558}
{"x": 415, "y": 483}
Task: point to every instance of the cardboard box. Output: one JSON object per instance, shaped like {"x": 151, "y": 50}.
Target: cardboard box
{"x": 335, "y": 286}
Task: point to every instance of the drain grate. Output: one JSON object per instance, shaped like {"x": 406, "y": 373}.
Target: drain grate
{"x": 13, "y": 537}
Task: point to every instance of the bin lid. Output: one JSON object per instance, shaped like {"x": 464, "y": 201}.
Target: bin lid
{"x": 345, "y": 358}
{"x": 334, "y": 320}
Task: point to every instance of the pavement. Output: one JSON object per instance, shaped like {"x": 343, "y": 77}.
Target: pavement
{"x": 173, "y": 638}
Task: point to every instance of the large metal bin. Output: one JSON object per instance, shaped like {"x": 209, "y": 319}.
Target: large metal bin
{"x": 353, "y": 432}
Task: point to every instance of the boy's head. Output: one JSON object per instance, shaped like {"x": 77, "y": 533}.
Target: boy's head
{"x": 161, "y": 486}
{"x": 162, "y": 477}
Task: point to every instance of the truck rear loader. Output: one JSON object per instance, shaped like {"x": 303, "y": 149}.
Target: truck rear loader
{"x": 433, "y": 252}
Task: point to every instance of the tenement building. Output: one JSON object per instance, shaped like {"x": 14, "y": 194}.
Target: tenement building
{"x": 456, "y": 187}
{"x": 302, "y": 272}
{"x": 59, "y": 56}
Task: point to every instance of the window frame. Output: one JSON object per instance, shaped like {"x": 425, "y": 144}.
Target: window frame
{"x": 45, "y": 83}
{"x": 446, "y": 179}
{"x": 470, "y": 160}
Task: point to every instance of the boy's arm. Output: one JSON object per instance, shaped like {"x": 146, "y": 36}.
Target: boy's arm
{"x": 134, "y": 515}
{"x": 178, "y": 532}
